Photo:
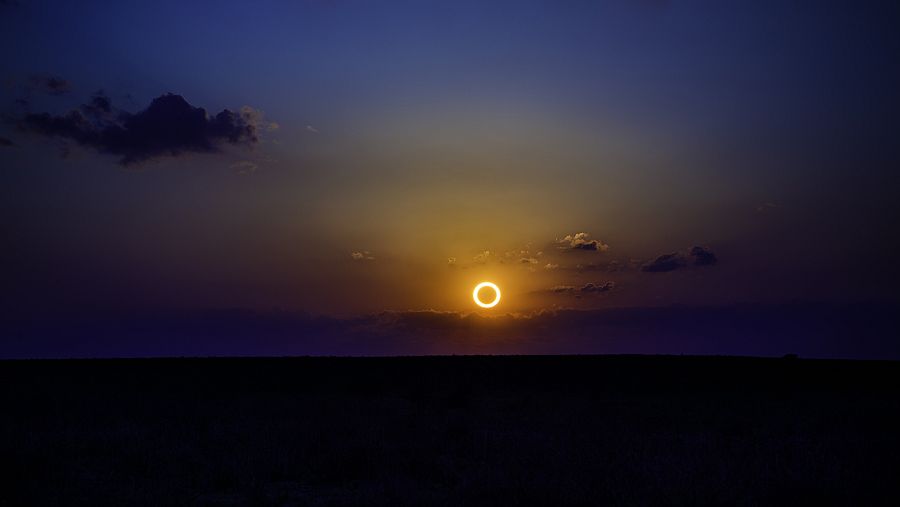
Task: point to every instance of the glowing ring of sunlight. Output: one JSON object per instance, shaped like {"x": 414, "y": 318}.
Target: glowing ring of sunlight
{"x": 478, "y": 289}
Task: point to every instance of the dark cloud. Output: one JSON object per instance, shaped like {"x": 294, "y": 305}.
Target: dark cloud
{"x": 100, "y": 106}
{"x": 663, "y": 263}
{"x": 703, "y": 256}
{"x": 588, "y": 288}
{"x": 604, "y": 287}
{"x": 580, "y": 241}
{"x": 6, "y": 143}
{"x": 170, "y": 126}
{"x": 53, "y": 85}
{"x": 676, "y": 260}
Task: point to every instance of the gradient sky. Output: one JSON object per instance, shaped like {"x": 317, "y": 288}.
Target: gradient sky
{"x": 394, "y": 143}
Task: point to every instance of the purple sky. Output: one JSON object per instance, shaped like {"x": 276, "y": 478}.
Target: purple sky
{"x": 312, "y": 177}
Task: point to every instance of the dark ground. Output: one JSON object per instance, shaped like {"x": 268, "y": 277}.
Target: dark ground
{"x": 450, "y": 431}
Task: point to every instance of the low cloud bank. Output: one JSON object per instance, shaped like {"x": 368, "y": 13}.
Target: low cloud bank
{"x": 810, "y": 330}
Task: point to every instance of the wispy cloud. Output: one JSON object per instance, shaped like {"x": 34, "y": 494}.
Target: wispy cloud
{"x": 588, "y": 288}
{"x": 362, "y": 255}
{"x": 482, "y": 257}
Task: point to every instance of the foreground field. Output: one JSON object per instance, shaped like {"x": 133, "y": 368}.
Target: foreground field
{"x": 450, "y": 431}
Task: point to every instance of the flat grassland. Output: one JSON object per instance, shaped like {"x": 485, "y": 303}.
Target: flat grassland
{"x": 467, "y": 430}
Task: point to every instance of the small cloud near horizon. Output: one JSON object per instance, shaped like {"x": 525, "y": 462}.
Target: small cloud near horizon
{"x": 702, "y": 256}
{"x": 581, "y": 241}
{"x": 664, "y": 263}
{"x": 588, "y": 288}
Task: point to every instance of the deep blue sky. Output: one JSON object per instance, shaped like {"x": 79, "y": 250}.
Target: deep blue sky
{"x": 386, "y": 156}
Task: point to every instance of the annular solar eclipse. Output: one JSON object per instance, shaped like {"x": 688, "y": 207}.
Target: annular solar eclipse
{"x": 476, "y": 294}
